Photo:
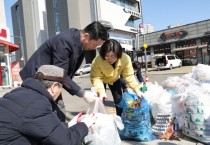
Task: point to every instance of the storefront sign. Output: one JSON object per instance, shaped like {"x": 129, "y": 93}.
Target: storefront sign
{"x": 15, "y": 69}
{"x": 178, "y": 34}
{"x": 3, "y": 33}
{"x": 132, "y": 12}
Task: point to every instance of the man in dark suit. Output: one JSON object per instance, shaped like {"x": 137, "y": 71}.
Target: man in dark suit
{"x": 66, "y": 50}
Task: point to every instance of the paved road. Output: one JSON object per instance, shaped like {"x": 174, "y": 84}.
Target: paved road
{"x": 75, "y": 104}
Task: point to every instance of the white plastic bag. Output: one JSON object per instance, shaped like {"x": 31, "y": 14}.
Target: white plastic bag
{"x": 171, "y": 83}
{"x": 104, "y": 131}
{"x": 201, "y": 73}
{"x": 97, "y": 107}
{"x": 162, "y": 104}
{"x": 153, "y": 92}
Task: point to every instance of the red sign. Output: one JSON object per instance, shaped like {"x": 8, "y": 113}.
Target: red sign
{"x": 15, "y": 69}
{"x": 177, "y": 34}
{"x": 3, "y": 33}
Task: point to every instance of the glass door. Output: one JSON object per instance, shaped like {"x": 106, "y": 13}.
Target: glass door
{"x": 205, "y": 56}
{"x": 5, "y": 70}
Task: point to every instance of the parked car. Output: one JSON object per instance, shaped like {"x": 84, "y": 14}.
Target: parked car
{"x": 167, "y": 61}
{"x": 84, "y": 69}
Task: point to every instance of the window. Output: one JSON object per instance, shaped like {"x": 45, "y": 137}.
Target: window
{"x": 56, "y": 15}
{"x": 171, "y": 57}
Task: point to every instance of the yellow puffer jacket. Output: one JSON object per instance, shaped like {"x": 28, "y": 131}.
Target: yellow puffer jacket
{"x": 103, "y": 72}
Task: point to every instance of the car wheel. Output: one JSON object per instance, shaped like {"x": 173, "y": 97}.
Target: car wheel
{"x": 180, "y": 64}
{"x": 81, "y": 73}
{"x": 171, "y": 67}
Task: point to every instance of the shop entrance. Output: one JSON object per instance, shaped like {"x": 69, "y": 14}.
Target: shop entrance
{"x": 4, "y": 70}
{"x": 205, "y": 56}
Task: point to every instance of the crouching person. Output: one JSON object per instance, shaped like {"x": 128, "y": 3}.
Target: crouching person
{"x": 27, "y": 114}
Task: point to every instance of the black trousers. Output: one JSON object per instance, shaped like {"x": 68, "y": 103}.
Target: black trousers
{"x": 116, "y": 90}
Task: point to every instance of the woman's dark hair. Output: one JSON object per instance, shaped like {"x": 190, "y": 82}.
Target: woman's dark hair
{"x": 96, "y": 31}
{"x": 111, "y": 45}
{"x": 136, "y": 65}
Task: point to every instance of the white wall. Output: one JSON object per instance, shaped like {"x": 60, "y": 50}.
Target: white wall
{"x": 2, "y": 13}
{"x": 40, "y": 20}
{"x": 115, "y": 14}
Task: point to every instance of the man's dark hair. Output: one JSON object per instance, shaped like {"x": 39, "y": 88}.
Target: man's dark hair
{"x": 96, "y": 31}
{"x": 111, "y": 45}
{"x": 47, "y": 84}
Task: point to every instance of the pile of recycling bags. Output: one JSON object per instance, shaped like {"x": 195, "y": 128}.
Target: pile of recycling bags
{"x": 179, "y": 103}
{"x": 187, "y": 98}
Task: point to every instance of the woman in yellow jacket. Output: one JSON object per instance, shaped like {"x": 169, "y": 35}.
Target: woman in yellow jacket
{"x": 106, "y": 69}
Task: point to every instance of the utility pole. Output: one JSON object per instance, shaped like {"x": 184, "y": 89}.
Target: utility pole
{"x": 144, "y": 44}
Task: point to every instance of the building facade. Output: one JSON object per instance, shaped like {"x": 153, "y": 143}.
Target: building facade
{"x": 29, "y": 27}
{"x": 35, "y": 21}
{"x": 117, "y": 15}
{"x": 148, "y": 28}
{"x": 188, "y": 42}
{"x": 121, "y": 15}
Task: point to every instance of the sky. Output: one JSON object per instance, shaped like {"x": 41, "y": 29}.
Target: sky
{"x": 159, "y": 13}
{"x": 162, "y": 13}
{"x": 7, "y": 6}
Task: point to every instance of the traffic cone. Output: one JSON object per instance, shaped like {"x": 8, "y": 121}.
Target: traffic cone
{"x": 146, "y": 79}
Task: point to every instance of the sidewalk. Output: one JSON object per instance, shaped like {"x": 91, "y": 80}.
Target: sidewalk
{"x": 4, "y": 91}
{"x": 179, "y": 70}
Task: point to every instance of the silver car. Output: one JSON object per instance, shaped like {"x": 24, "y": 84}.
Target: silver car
{"x": 84, "y": 69}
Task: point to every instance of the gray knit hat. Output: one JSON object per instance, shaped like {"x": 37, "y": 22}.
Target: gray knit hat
{"x": 51, "y": 73}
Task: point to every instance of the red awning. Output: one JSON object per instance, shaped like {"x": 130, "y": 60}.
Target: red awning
{"x": 12, "y": 47}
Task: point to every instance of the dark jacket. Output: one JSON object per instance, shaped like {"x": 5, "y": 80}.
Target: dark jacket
{"x": 63, "y": 50}
{"x": 139, "y": 76}
{"x": 27, "y": 118}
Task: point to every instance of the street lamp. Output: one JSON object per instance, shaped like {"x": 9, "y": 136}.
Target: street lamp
{"x": 144, "y": 44}
{"x": 21, "y": 48}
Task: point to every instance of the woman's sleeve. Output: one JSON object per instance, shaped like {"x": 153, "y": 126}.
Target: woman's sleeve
{"x": 96, "y": 78}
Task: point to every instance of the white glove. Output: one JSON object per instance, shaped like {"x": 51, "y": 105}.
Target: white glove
{"x": 89, "y": 96}
{"x": 75, "y": 120}
{"x": 103, "y": 97}
{"x": 89, "y": 119}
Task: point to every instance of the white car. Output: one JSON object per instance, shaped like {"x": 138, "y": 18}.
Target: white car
{"x": 84, "y": 69}
{"x": 167, "y": 61}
